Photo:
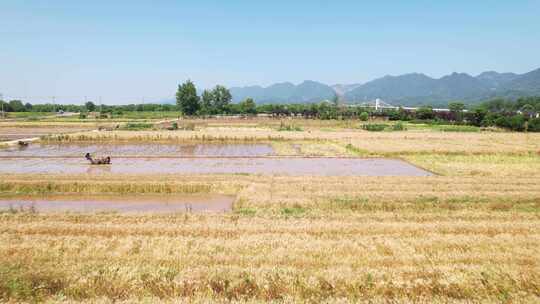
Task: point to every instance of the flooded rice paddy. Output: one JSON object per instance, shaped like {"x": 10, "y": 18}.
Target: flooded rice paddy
{"x": 201, "y": 158}
{"x": 281, "y": 165}
{"x": 123, "y": 204}
{"x": 139, "y": 149}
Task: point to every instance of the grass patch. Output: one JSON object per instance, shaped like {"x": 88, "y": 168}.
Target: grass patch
{"x": 102, "y": 187}
{"x": 137, "y": 126}
{"x": 289, "y": 127}
{"x": 374, "y": 127}
{"x": 355, "y": 151}
{"x": 294, "y": 211}
{"x": 21, "y": 282}
{"x": 246, "y": 211}
{"x": 456, "y": 128}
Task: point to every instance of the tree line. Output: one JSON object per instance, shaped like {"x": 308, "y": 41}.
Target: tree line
{"x": 519, "y": 115}
{"x": 211, "y": 102}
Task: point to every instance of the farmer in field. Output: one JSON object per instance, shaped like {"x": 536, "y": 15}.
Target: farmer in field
{"x": 98, "y": 161}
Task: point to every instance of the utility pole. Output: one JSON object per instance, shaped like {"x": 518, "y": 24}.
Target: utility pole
{"x": 2, "y": 100}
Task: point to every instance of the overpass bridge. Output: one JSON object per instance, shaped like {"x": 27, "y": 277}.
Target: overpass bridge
{"x": 379, "y": 104}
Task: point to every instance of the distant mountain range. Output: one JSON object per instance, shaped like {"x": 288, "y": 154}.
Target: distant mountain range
{"x": 408, "y": 89}
{"x": 285, "y": 92}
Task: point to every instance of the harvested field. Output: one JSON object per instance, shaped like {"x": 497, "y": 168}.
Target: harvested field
{"x": 16, "y": 133}
{"x": 120, "y": 204}
{"x": 469, "y": 233}
{"x": 377, "y": 143}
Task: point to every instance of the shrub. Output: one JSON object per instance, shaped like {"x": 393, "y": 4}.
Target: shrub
{"x": 364, "y": 116}
{"x": 174, "y": 126}
{"x": 458, "y": 128}
{"x": 399, "y": 127}
{"x": 422, "y": 121}
{"x": 490, "y": 119}
{"x": 534, "y": 125}
{"x": 517, "y": 123}
{"x": 374, "y": 127}
{"x": 425, "y": 113}
{"x": 138, "y": 126}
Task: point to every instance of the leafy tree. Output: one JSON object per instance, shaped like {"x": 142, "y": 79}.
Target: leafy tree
{"x": 187, "y": 99}
{"x": 222, "y": 99}
{"x": 517, "y": 123}
{"x": 335, "y": 100}
{"x": 425, "y": 112}
{"x": 498, "y": 105}
{"x": 476, "y": 116}
{"x": 17, "y": 106}
{"x": 5, "y": 106}
{"x": 456, "y": 108}
{"x": 207, "y": 100}
{"x": 28, "y": 107}
{"x": 248, "y": 106}
{"x": 90, "y": 106}
{"x": 364, "y": 116}
{"x": 534, "y": 125}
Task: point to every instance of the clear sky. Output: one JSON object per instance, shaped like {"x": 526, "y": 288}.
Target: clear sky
{"x": 127, "y": 50}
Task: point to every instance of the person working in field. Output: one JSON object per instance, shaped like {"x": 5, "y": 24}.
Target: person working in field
{"x": 98, "y": 161}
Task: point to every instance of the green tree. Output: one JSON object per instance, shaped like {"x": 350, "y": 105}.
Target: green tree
{"x": 456, "y": 108}
{"x": 28, "y": 106}
{"x": 528, "y": 110}
{"x": 222, "y": 99}
{"x": 4, "y": 106}
{"x": 476, "y": 116}
{"x": 335, "y": 100}
{"x": 248, "y": 106}
{"x": 207, "y": 103}
{"x": 425, "y": 112}
{"x": 364, "y": 116}
{"x": 187, "y": 99}
{"x": 17, "y": 106}
{"x": 90, "y": 106}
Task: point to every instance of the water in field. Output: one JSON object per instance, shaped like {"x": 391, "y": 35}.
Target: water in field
{"x": 121, "y": 204}
{"x": 217, "y": 165}
{"x": 139, "y": 149}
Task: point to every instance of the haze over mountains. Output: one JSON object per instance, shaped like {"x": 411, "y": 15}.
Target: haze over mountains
{"x": 407, "y": 90}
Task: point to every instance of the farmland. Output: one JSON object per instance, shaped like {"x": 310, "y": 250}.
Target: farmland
{"x": 468, "y": 232}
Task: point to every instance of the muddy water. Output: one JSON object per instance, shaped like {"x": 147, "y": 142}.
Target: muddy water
{"x": 278, "y": 165}
{"x": 140, "y": 149}
{"x": 122, "y": 204}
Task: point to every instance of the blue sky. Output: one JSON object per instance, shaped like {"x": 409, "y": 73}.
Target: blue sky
{"x": 127, "y": 50}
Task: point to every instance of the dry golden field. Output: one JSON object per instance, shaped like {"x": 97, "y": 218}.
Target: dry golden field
{"x": 469, "y": 234}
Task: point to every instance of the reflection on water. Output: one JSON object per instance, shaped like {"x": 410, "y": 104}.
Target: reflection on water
{"x": 123, "y": 204}
{"x": 98, "y": 169}
{"x": 285, "y": 166}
